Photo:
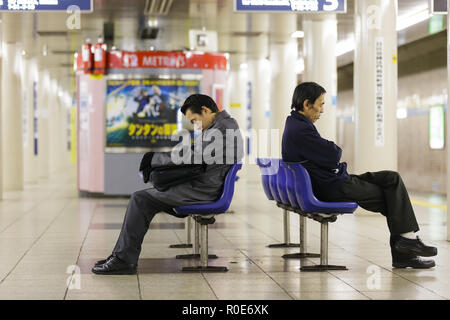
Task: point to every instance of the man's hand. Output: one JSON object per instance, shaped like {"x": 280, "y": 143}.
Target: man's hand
{"x": 146, "y": 173}
{"x": 146, "y": 165}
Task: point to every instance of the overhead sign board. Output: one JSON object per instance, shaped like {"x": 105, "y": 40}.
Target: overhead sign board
{"x": 45, "y": 5}
{"x": 438, "y": 6}
{"x": 299, "y": 6}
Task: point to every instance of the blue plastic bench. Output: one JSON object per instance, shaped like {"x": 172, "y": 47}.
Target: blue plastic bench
{"x": 270, "y": 170}
{"x": 204, "y": 215}
{"x": 311, "y": 207}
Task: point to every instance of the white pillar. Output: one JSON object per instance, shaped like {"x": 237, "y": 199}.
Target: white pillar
{"x": 12, "y": 148}
{"x": 283, "y": 56}
{"x": 1, "y": 124}
{"x": 237, "y": 81}
{"x": 53, "y": 124}
{"x": 319, "y": 42}
{"x": 43, "y": 135}
{"x": 29, "y": 159}
{"x": 259, "y": 78}
{"x": 375, "y": 85}
{"x": 448, "y": 123}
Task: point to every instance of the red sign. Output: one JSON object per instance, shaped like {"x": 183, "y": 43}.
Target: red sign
{"x": 163, "y": 59}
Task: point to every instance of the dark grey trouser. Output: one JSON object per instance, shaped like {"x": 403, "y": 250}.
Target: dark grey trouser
{"x": 383, "y": 192}
{"x": 140, "y": 212}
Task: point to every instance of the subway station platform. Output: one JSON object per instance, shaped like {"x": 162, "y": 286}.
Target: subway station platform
{"x": 50, "y": 238}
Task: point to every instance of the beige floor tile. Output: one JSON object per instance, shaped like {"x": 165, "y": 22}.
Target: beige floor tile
{"x": 402, "y": 295}
{"x": 72, "y": 295}
{"x": 340, "y": 295}
{"x": 149, "y": 295}
{"x": 258, "y": 295}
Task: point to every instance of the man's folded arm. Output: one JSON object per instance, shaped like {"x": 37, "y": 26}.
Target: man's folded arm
{"x": 320, "y": 151}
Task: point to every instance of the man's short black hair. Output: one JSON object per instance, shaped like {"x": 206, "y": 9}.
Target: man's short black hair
{"x": 306, "y": 91}
{"x": 195, "y": 102}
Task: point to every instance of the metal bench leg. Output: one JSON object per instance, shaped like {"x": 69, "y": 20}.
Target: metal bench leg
{"x": 303, "y": 241}
{"x": 196, "y": 254}
{"x": 287, "y": 234}
{"x": 188, "y": 243}
{"x": 323, "y": 253}
{"x": 203, "y": 267}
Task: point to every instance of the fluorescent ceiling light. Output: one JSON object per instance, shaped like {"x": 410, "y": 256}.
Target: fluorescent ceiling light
{"x": 345, "y": 46}
{"x": 402, "y": 113}
{"x": 297, "y": 34}
{"x": 413, "y": 17}
{"x": 407, "y": 20}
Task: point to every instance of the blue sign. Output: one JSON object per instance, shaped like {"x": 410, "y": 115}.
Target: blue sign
{"x": 301, "y": 6}
{"x": 45, "y": 5}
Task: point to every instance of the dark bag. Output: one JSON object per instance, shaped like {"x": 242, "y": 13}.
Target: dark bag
{"x": 168, "y": 176}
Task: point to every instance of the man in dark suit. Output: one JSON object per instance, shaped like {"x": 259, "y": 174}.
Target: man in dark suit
{"x": 381, "y": 191}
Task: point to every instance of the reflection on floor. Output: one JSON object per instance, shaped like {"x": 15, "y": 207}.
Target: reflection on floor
{"x": 50, "y": 238}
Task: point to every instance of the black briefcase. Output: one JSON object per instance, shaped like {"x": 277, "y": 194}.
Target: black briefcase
{"x": 168, "y": 176}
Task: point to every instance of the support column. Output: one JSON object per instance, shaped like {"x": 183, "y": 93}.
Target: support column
{"x": 375, "y": 85}
{"x": 259, "y": 78}
{"x": 43, "y": 135}
{"x": 12, "y": 148}
{"x": 319, "y": 45}
{"x": 283, "y": 56}
{"x": 29, "y": 78}
{"x": 238, "y": 78}
{"x": 230, "y": 27}
{"x": 448, "y": 125}
{"x": 1, "y": 123}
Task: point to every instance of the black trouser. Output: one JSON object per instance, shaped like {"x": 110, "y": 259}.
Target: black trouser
{"x": 382, "y": 192}
{"x": 140, "y": 212}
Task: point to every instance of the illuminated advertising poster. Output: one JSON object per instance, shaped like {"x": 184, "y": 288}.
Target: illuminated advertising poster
{"x": 437, "y": 116}
{"x": 142, "y": 113}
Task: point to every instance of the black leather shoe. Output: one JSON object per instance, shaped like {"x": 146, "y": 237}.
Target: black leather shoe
{"x": 415, "y": 247}
{"x": 416, "y": 263}
{"x": 103, "y": 261}
{"x": 114, "y": 266}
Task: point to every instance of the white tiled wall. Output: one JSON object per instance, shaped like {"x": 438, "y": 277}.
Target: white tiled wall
{"x": 422, "y": 168}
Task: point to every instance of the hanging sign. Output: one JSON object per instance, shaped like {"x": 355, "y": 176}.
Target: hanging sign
{"x": 379, "y": 93}
{"x": 161, "y": 59}
{"x": 303, "y": 6}
{"x": 45, "y": 5}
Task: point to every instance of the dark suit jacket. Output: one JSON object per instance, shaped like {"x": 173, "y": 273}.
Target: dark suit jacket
{"x": 302, "y": 142}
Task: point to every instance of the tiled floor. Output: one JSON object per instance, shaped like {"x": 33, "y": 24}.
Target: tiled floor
{"x": 49, "y": 239}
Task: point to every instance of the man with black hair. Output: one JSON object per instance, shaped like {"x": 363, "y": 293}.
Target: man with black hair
{"x": 381, "y": 191}
{"x": 220, "y": 132}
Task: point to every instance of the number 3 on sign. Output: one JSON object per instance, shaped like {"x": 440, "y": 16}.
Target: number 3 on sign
{"x": 330, "y": 5}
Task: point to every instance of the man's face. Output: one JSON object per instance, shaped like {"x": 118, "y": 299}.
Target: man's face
{"x": 313, "y": 110}
{"x": 206, "y": 117}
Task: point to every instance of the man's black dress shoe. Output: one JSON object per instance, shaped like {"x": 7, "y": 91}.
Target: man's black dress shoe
{"x": 99, "y": 262}
{"x": 114, "y": 266}
{"x": 416, "y": 263}
{"x": 415, "y": 247}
